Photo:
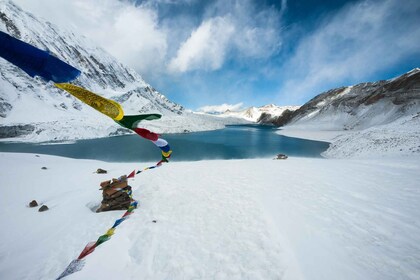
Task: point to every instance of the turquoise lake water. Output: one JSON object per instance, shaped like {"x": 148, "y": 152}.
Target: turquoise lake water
{"x": 233, "y": 142}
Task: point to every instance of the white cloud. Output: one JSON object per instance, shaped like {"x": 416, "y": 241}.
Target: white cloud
{"x": 237, "y": 30}
{"x": 259, "y": 33}
{"x": 131, "y": 34}
{"x": 181, "y": 43}
{"x": 221, "y": 108}
{"x": 206, "y": 48}
{"x": 137, "y": 39}
{"x": 356, "y": 42}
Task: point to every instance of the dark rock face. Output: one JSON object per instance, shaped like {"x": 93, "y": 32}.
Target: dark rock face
{"x": 16, "y": 130}
{"x": 401, "y": 93}
{"x": 265, "y": 118}
{"x": 5, "y": 108}
{"x": 10, "y": 26}
{"x": 281, "y": 120}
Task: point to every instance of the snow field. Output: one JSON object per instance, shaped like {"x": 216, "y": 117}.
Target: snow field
{"x": 207, "y": 228}
{"x": 298, "y": 218}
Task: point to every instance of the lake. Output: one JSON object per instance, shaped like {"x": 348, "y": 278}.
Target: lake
{"x": 233, "y": 142}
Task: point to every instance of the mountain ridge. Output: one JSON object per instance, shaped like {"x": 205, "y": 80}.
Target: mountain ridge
{"x": 36, "y": 111}
{"x": 253, "y": 113}
{"x": 359, "y": 106}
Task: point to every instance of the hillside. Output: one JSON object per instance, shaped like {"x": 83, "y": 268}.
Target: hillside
{"x": 360, "y": 106}
{"x": 33, "y": 110}
{"x": 380, "y": 118}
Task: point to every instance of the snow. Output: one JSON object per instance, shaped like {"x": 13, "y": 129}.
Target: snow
{"x": 252, "y": 114}
{"x": 351, "y": 216}
{"x": 305, "y": 133}
{"x": 299, "y": 218}
{"x": 400, "y": 137}
{"x": 97, "y": 126}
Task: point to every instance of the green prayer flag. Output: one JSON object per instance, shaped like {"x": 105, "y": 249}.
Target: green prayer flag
{"x": 102, "y": 239}
{"x": 131, "y": 122}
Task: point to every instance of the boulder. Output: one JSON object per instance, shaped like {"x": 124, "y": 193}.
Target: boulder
{"x": 33, "y": 203}
{"x": 281, "y": 156}
{"x": 43, "y": 208}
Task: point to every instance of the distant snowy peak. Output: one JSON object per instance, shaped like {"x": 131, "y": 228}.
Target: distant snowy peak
{"x": 253, "y": 114}
{"x": 101, "y": 73}
{"x": 360, "y": 106}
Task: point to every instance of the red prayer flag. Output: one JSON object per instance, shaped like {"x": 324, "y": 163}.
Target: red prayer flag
{"x": 147, "y": 134}
{"x": 88, "y": 249}
{"x": 126, "y": 214}
{"x": 132, "y": 174}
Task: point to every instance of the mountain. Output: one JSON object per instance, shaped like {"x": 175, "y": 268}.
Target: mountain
{"x": 34, "y": 110}
{"x": 253, "y": 114}
{"x": 359, "y": 107}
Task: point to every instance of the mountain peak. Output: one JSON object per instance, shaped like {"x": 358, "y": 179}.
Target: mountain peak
{"x": 101, "y": 73}
{"x": 253, "y": 114}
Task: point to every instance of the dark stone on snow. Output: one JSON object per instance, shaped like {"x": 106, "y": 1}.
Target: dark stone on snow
{"x": 281, "y": 156}
{"x": 43, "y": 208}
{"x": 101, "y": 171}
{"x": 33, "y": 203}
{"x": 44, "y": 168}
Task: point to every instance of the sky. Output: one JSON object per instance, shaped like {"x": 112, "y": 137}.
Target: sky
{"x": 232, "y": 54}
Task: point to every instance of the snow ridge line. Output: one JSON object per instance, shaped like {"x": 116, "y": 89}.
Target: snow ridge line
{"x": 77, "y": 264}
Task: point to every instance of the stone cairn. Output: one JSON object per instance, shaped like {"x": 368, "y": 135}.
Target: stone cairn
{"x": 115, "y": 195}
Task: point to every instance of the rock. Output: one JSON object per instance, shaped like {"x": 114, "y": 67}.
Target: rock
{"x": 154, "y": 221}
{"x": 101, "y": 171}
{"x": 281, "y": 156}
{"x": 43, "y": 208}
{"x": 44, "y": 168}
{"x": 33, "y": 203}
{"x": 13, "y": 130}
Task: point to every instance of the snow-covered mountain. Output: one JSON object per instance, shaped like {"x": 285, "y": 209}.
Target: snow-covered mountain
{"x": 34, "y": 110}
{"x": 359, "y": 107}
{"x": 381, "y": 118}
{"x": 253, "y": 114}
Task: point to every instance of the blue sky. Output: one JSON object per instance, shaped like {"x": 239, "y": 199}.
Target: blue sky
{"x": 248, "y": 52}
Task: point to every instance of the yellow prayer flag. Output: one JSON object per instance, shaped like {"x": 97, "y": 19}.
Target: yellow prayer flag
{"x": 106, "y": 106}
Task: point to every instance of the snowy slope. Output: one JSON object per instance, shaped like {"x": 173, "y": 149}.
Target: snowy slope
{"x": 401, "y": 137}
{"x": 360, "y": 106}
{"x": 238, "y": 219}
{"x": 48, "y": 113}
{"x": 380, "y": 118}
